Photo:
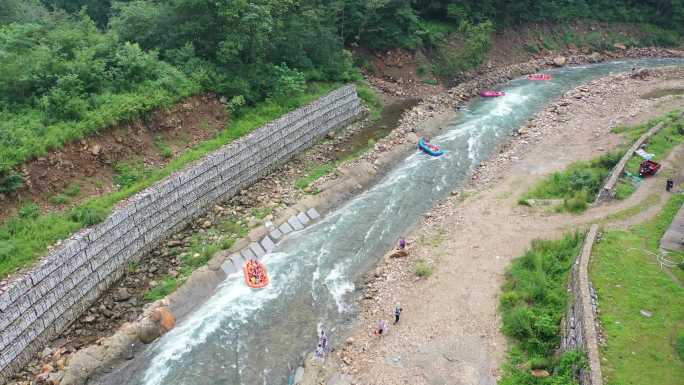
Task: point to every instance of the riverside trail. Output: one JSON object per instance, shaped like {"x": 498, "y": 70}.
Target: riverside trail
{"x": 239, "y": 336}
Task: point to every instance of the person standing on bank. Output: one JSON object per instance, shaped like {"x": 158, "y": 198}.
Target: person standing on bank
{"x": 397, "y": 313}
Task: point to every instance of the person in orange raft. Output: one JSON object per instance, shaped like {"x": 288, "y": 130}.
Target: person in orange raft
{"x": 255, "y": 272}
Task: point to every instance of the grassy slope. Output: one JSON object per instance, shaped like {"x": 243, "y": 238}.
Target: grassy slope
{"x": 577, "y": 185}
{"x": 25, "y": 238}
{"x": 639, "y": 350}
{"x": 533, "y": 302}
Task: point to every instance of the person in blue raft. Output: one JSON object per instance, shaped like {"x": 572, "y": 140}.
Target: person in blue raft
{"x": 429, "y": 148}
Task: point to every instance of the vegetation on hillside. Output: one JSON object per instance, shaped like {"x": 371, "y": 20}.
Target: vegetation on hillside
{"x": 628, "y": 279}
{"x": 73, "y": 67}
{"x": 26, "y": 237}
{"x": 533, "y": 302}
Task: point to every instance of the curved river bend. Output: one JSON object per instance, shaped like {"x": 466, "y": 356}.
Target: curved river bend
{"x": 240, "y": 336}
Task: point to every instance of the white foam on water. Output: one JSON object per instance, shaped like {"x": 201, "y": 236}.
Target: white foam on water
{"x": 339, "y": 286}
{"x": 232, "y": 300}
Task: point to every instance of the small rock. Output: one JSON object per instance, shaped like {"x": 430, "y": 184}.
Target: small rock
{"x": 620, "y": 46}
{"x": 349, "y": 341}
{"x": 122, "y": 294}
{"x": 89, "y": 319}
{"x": 206, "y": 224}
{"x": 540, "y": 373}
{"x": 45, "y": 353}
{"x": 96, "y": 150}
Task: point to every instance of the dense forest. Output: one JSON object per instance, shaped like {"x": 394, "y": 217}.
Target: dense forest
{"x": 72, "y": 67}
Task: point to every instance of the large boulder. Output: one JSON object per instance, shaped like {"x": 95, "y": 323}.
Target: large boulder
{"x": 164, "y": 318}
{"x": 559, "y": 61}
{"x": 148, "y": 331}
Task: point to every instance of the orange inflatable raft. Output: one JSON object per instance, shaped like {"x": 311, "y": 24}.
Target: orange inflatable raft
{"x": 256, "y": 276}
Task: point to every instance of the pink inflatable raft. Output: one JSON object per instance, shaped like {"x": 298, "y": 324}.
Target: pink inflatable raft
{"x": 539, "y": 77}
{"x": 492, "y": 94}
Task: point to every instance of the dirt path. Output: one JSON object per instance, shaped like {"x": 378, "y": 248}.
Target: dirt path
{"x": 449, "y": 331}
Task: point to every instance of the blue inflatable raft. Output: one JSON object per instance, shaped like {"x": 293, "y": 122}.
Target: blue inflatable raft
{"x": 429, "y": 148}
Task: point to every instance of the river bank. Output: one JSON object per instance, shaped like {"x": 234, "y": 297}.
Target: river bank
{"x": 449, "y": 331}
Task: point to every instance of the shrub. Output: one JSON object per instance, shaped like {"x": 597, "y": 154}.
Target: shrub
{"x": 164, "y": 150}
{"x": 59, "y": 199}
{"x": 129, "y": 173}
{"x": 287, "y": 82}
{"x": 29, "y": 211}
{"x": 10, "y": 182}
{"x": 88, "y": 215}
{"x": 422, "y": 269}
{"x": 72, "y": 190}
{"x": 235, "y": 104}
{"x": 578, "y": 202}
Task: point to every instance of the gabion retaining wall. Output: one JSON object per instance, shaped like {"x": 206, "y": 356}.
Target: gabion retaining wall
{"x": 579, "y": 326}
{"x": 40, "y": 304}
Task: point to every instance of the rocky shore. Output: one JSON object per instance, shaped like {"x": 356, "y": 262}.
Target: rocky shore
{"x": 125, "y": 307}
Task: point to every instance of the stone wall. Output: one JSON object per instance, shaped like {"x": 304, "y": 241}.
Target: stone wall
{"x": 579, "y": 328}
{"x": 40, "y": 304}
{"x": 608, "y": 190}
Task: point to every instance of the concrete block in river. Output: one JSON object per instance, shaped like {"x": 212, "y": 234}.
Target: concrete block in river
{"x": 248, "y": 254}
{"x": 313, "y": 214}
{"x": 238, "y": 260}
{"x": 276, "y": 235}
{"x": 257, "y": 250}
{"x": 228, "y": 267}
{"x": 285, "y": 228}
{"x": 295, "y": 223}
{"x": 303, "y": 218}
{"x": 267, "y": 244}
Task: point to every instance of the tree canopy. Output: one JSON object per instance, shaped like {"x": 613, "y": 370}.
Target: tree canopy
{"x": 72, "y": 67}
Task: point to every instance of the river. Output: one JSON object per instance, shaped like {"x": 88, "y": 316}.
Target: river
{"x": 244, "y": 336}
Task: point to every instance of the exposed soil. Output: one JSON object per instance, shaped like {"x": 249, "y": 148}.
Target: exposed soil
{"x": 89, "y": 163}
{"x": 449, "y": 331}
